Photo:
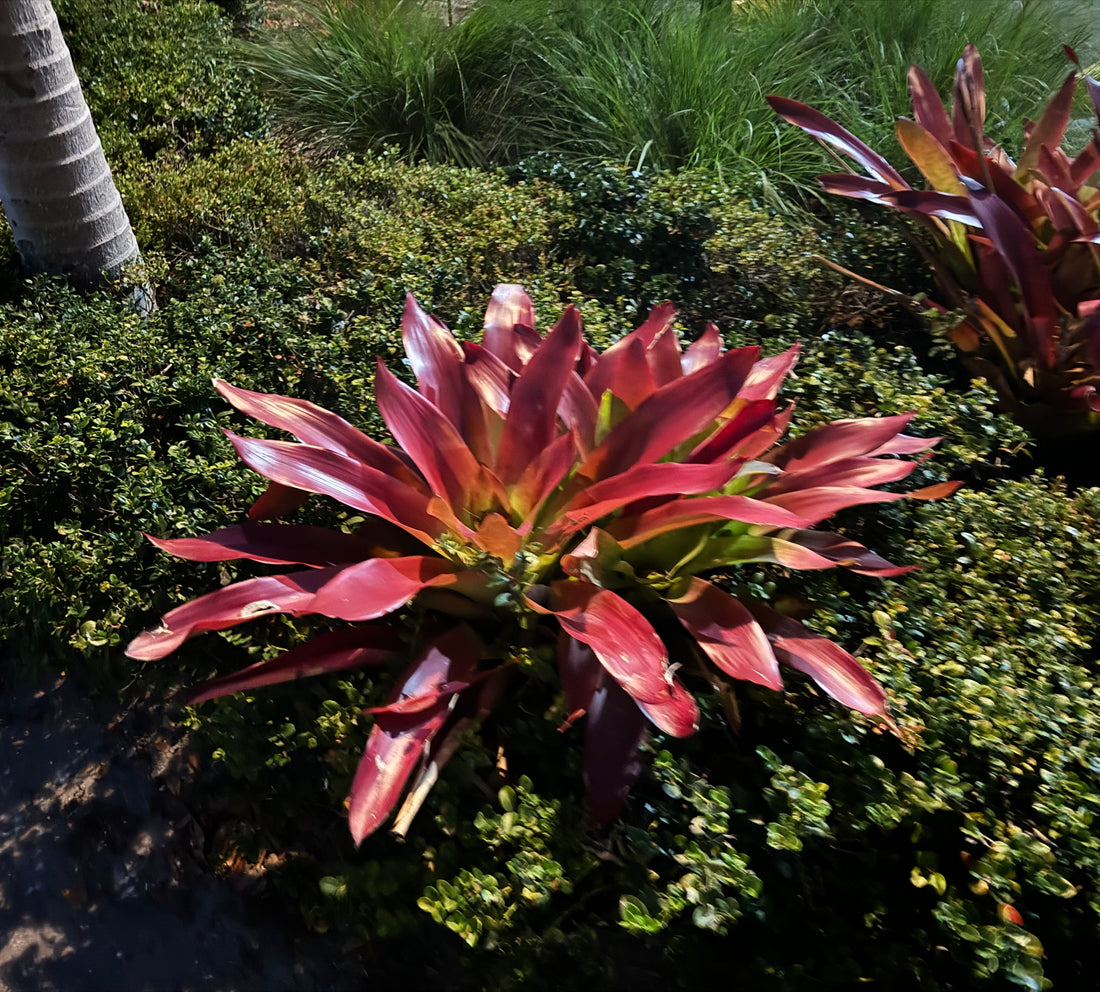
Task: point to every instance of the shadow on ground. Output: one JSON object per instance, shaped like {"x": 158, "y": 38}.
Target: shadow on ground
{"x": 103, "y": 884}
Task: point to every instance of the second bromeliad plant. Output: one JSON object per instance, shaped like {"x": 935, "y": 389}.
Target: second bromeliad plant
{"x": 1015, "y": 245}
{"x": 546, "y": 501}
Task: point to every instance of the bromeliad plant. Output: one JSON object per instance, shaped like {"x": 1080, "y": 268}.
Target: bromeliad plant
{"x": 1016, "y": 245}
{"x": 544, "y": 499}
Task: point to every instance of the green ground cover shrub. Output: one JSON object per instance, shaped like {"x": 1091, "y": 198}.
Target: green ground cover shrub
{"x": 158, "y": 76}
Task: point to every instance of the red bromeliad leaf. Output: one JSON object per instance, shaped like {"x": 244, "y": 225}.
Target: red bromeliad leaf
{"x": 829, "y": 665}
{"x": 277, "y": 501}
{"x": 674, "y": 713}
{"x": 763, "y": 382}
{"x": 633, "y": 381}
{"x": 702, "y": 352}
{"x": 943, "y": 205}
{"x": 532, "y": 417}
{"x": 546, "y": 472}
{"x": 862, "y": 472}
{"x": 928, "y": 107}
{"x": 746, "y": 422}
{"x": 315, "y": 470}
{"x": 490, "y": 379}
{"x": 838, "y": 440}
{"x": 859, "y": 188}
{"x": 727, "y": 633}
{"x": 670, "y": 416}
{"x": 277, "y": 544}
{"x": 231, "y": 605}
{"x": 1051, "y": 127}
{"x": 614, "y": 732}
{"x": 828, "y": 131}
{"x": 579, "y": 412}
{"x": 334, "y": 652}
{"x": 605, "y": 371}
{"x": 619, "y": 635}
{"x": 845, "y": 553}
{"x": 430, "y": 438}
{"x": 632, "y": 531}
{"x": 1016, "y": 246}
{"x": 509, "y": 326}
{"x": 821, "y": 502}
{"x": 663, "y": 479}
{"x": 664, "y": 357}
{"x": 580, "y": 671}
{"x": 316, "y": 426}
{"x": 396, "y": 743}
{"x": 379, "y": 586}
{"x": 436, "y": 359}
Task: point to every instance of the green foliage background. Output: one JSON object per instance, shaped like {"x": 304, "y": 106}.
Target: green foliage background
{"x": 803, "y": 848}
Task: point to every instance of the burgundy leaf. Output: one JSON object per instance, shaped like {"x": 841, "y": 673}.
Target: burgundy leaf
{"x": 821, "y": 502}
{"x": 231, "y": 605}
{"x": 277, "y": 501}
{"x": 968, "y": 110}
{"x": 663, "y": 356}
{"x": 489, "y": 377}
{"x": 543, "y": 475}
{"x": 509, "y": 326}
{"x": 821, "y": 127}
{"x": 579, "y": 412}
{"x": 614, "y": 732}
{"x": 532, "y": 416}
{"x": 663, "y": 479}
{"x": 863, "y": 472}
{"x": 429, "y": 437}
{"x": 727, "y": 633}
{"x": 606, "y": 368}
{"x": 632, "y": 531}
{"x": 315, "y": 470}
{"x": 619, "y": 635}
{"x": 675, "y": 712}
{"x": 1016, "y": 246}
{"x": 829, "y": 665}
{"x": 580, "y": 672}
{"x": 847, "y": 553}
{"x": 928, "y": 107}
{"x": 277, "y": 544}
{"x": 316, "y": 426}
{"x": 436, "y": 359}
{"x": 633, "y": 381}
{"x": 767, "y": 375}
{"x": 746, "y": 422}
{"x": 379, "y": 586}
{"x": 334, "y": 652}
{"x": 1051, "y": 127}
{"x": 397, "y": 741}
{"x": 860, "y": 188}
{"x": 670, "y": 416}
{"x": 702, "y": 352}
{"x": 946, "y": 206}
{"x": 838, "y": 440}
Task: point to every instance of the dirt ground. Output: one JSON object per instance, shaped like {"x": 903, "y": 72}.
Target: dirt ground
{"x": 103, "y": 883}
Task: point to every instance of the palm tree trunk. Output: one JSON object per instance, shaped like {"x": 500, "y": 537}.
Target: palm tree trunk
{"x": 55, "y": 184}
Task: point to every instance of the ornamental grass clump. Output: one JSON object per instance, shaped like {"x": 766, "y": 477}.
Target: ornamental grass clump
{"x": 547, "y": 502}
{"x": 1015, "y": 245}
